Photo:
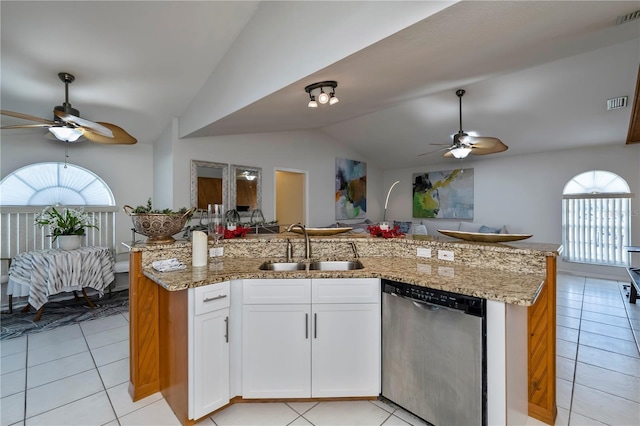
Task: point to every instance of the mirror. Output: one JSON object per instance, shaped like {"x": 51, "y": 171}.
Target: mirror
{"x": 245, "y": 194}
{"x": 208, "y": 183}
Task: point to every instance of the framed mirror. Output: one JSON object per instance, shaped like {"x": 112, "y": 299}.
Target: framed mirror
{"x": 245, "y": 189}
{"x": 209, "y": 183}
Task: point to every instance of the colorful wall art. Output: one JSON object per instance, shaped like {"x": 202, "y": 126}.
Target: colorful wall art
{"x": 445, "y": 194}
{"x": 351, "y": 189}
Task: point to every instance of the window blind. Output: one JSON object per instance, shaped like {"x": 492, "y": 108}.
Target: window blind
{"x": 596, "y": 228}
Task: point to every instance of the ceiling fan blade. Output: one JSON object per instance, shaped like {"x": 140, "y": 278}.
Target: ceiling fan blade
{"x": 29, "y": 126}
{"x": 434, "y": 152}
{"x": 486, "y": 145}
{"x": 481, "y": 146}
{"x": 120, "y": 136}
{"x": 86, "y": 124}
{"x": 27, "y": 117}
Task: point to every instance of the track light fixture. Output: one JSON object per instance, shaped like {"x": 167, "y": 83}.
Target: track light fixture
{"x": 317, "y": 91}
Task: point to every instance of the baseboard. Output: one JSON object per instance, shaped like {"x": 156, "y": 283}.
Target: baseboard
{"x": 591, "y": 275}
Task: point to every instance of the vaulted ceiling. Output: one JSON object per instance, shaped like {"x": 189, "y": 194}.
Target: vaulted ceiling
{"x": 537, "y": 74}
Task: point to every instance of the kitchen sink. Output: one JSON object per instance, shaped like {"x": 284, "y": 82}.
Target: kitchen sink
{"x": 283, "y": 266}
{"x": 336, "y": 265}
{"x": 328, "y": 265}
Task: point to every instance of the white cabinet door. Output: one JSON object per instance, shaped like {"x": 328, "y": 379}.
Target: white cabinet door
{"x": 276, "y": 351}
{"x": 211, "y": 362}
{"x": 346, "y": 350}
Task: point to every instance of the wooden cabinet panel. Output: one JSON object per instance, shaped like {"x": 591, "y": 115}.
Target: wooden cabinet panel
{"x": 541, "y": 349}
{"x": 144, "y": 367}
{"x": 173, "y": 320}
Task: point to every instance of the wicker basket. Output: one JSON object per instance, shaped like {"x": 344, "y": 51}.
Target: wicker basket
{"x": 158, "y": 227}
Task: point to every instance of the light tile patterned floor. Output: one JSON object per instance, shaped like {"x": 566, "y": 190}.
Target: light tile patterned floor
{"x": 78, "y": 374}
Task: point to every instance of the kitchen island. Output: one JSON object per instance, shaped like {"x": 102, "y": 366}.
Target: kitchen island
{"x": 518, "y": 277}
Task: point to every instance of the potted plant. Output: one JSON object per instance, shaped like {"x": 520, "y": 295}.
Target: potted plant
{"x": 67, "y": 225}
{"x": 157, "y": 225}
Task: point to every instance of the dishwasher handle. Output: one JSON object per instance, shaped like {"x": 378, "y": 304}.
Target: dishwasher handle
{"x": 427, "y": 306}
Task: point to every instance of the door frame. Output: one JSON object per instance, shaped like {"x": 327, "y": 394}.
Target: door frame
{"x": 305, "y": 196}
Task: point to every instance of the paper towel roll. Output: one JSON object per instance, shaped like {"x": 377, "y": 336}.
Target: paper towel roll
{"x": 198, "y": 248}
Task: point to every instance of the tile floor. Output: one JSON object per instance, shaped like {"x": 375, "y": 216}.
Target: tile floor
{"x": 78, "y": 374}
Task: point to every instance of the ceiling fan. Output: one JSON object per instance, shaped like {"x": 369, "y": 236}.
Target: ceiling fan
{"x": 465, "y": 144}
{"x": 67, "y": 125}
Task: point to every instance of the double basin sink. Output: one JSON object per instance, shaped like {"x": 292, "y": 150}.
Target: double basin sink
{"x": 332, "y": 265}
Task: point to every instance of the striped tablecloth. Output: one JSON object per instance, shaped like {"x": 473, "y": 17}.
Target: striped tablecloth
{"x": 40, "y": 274}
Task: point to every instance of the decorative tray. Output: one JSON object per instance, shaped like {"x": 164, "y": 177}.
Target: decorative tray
{"x": 484, "y": 237}
{"x": 322, "y": 231}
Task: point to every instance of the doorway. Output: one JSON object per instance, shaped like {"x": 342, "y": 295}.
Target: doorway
{"x": 291, "y": 196}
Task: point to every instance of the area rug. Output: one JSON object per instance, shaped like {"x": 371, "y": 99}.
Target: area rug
{"x": 63, "y": 312}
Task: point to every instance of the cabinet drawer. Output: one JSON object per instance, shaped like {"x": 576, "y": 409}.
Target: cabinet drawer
{"x": 346, "y": 290}
{"x": 212, "y": 297}
{"x": 276, "y": 291}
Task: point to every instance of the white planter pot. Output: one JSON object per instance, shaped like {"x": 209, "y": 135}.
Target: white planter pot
{"x": 69, "y": 242}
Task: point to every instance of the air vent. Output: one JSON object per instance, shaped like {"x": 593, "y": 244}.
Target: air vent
{"x": 616, "y": 103}
{"x": 628, "y": 17}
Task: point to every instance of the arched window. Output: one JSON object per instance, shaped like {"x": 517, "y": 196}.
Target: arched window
{"x": 25, "y": 192}
{"x": 48, "y": 184}
{"x": 596, "y": 212}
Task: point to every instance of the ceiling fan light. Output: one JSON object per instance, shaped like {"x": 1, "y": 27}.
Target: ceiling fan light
{"x": 66, "y": 134}
{"x": 323, "y": 97}
{"x": 460, "y": 152}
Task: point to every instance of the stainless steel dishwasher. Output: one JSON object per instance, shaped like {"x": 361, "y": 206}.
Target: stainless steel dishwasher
{"x": 434, "y": 354}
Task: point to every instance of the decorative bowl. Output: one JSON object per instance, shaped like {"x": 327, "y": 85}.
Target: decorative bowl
{"x": 158, "y": 227}
{"x": 484, "y": 237}
{"x": 322, "y": 231}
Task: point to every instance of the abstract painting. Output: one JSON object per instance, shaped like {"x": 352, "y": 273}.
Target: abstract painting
{"x": 444, "y": 195}
{"x": 351, "y": 189}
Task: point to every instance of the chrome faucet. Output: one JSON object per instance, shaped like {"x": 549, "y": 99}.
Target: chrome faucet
{"x": 307, "y": 244}
{"x": 355, "y": 250}
{"x": 289, "y": 250}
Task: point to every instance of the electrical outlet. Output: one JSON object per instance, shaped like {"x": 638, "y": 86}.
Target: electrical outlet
{"x": 216, "y": 251}
{"x": 445, "y": 255}
{"x": 424, "y": 269}
{"x": 445, "y": 271}
{"x": 423, "y": 252}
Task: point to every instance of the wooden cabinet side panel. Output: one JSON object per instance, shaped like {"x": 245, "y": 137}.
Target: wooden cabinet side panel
{"x": 143, "y": 331}
{"x": 541, "y": 349}
{"x": 173, "y": 348}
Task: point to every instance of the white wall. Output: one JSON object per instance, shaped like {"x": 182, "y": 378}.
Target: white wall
{"x": 127, "y": 169}
{"x": 273, "y": 49}
{"x": 525, "y": 192}
{"x": 311, "y": 151}
{"x": 163, "y": 167}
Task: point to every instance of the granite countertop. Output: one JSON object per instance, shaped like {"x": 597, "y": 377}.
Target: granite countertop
{"x": 504, "y": 286}
{"x": 546, "y": 249}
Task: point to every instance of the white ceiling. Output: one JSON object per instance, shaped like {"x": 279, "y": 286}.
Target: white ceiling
{"x": 537, "y": 73}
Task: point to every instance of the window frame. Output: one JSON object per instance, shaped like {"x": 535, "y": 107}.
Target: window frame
{"x": 596, "y": 225}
